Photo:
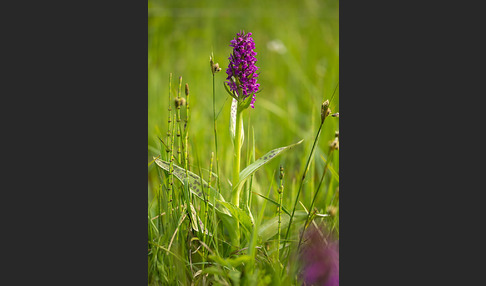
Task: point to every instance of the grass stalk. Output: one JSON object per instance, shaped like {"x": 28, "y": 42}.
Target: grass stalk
{"x": 171, "y": 167}
{"x": 324, "y": 113}
{"x": 215, "y": 130}
{"x": 206, "y": 215}
{"x": 306, "y": 168}
{"x": 168, "y": 150}
{"x": 280, "y": 195}
{"x": 315, "y": 196}
{"x": 178, "y": 109}
{"x": 186, "y": 132}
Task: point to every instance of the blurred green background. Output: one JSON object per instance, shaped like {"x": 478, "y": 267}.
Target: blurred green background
{"x": 298, "y": 58}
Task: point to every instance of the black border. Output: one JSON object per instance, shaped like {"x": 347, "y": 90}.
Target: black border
{"x": 75, "y": 135}
{"x": 411, "y": 74}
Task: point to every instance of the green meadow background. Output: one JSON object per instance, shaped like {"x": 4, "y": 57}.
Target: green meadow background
{"x": 298, "y": 58}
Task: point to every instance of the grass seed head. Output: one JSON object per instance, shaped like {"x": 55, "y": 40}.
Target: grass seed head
{"x": 335, "y": 144}
{"x": 332, "y": 210}
{"x": 214, "y": 66}
{"x": 179, "y": 101}
{"x": 325, "y": 111}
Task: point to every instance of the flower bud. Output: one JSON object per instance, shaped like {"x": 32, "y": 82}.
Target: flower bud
{"x": 187, "y": 89}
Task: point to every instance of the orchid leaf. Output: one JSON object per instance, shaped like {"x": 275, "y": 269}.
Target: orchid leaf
{"x": 245, "y": 173}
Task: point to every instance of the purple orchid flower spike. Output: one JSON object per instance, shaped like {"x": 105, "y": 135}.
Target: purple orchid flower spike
{"x": 242, "y": 67}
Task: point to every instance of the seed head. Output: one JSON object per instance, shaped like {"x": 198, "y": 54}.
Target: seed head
{"x": 332, "y": 210}
{"x": 335, "y": 144}
{"x": 214, "y": 66}
{"x": 325, "y": 110}
{"x": 187, "y": 89}
{"x": 179, "y": 101}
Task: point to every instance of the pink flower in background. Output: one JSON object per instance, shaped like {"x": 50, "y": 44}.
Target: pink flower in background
{"x": 320, "y": 260}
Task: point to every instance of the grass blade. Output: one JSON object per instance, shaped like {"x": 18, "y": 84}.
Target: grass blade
{"x": 270, "y": 227}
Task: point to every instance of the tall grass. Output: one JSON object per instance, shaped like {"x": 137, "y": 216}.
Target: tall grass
{"x": 190, "y": 239}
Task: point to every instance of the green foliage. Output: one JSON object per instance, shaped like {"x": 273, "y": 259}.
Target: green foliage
{"x": 270, "y": 227}
{"x": 196, "y": 185}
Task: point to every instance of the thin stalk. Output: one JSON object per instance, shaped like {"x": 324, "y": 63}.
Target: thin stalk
{"x": 302, "y": 183}
{"x": 171, "y": 168}
{"x": 185, "y": 146}
{"x": 280, "y": 195}
{"x": 179, "y": 139}
{"x": 168, "y": 150}
{"x": 216, "y": 137}
{"x": 186, "y": 132}
{"x": 206, "y": 216}
{"x": 252, "y": 160}
{"x": 324, "y": 113}
{"x": 315, "y": 196}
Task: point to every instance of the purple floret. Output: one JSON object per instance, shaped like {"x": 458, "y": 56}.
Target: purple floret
{"x": 242, "y": 66}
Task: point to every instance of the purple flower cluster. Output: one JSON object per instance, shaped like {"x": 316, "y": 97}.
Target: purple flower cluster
{"x": 321, "y": 261}
{"x": 242, "y": 66}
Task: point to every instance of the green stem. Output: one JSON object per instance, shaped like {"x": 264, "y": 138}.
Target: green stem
{"x": 235, "y": 195}
{"x": 306, "y": 168}
{"x": 315, "y": 196}
{"x": 216, "y": 138}
{"x": 236, "y": 161}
